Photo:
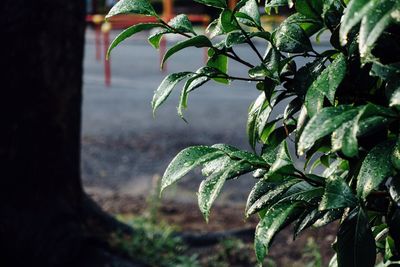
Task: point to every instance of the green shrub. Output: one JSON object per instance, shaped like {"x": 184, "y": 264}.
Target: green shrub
{"x": 342, "y": 114}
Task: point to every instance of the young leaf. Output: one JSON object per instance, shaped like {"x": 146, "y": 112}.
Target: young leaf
{"x": 276, "y": 218}
{"x": 186, "y": 160}
{"x": 197, "y": 41}
{"x": 213, "y": 3}
{"x": 324, "y": 123}
{"x": 166, "y": 86}
{"x": 291, "y": 38}
{"x": 353, "y": 14}
{"x": 325, "y": 85}
{"x": 375, "y": 168}
{"x": 355, "y": 242}
{"x": 129, "y": 32}
{"x": 142, "y": 7}
{"x": 337, "y": 194}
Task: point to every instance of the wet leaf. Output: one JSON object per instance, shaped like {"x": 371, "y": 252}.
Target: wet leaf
{"x": 186, "y": 160}
{"x": 355, "y": 242}
{"x": 130, "y": 32}
{"x": 325, "y": 85}
{"x": 291, "y": 38}
{"x": 142, "y": 7}
{"x": 324, "y": 123}
{"x": 310, "y": 8}
{"x": 353, "y": 14}
{"x": 182, "y": 24}
{"x": 271, "y": 196}
{"x": 197, "y": 41}
{"x": 375, "y": 168}
{"x": 213, "y": 3}
{"x": 375, "y": 21}
{"x": 166, "y": 87}
{"x": 276, "y": 218}
{"x": 337, "y": 194}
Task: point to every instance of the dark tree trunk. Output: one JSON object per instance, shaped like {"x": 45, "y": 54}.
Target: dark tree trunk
{"x": 40, "y": 189}
{"x": 42, "y": 215}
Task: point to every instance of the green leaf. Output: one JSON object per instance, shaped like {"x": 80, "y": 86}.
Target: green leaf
{"x": 325, "y": 85}
{"x": 308, "y": 24}
{"x": 353, "y": 14}
{"x": 291, "y": 38}
{"x": 166, "y": 86}
{"x": 324, "y": 123}
{"x": 142, "y": 7}
{"x": 355, "y": 242}
{"x": 328, "y": 217}
{"x": 307, "y": 219}
{"x": 277, "y": 3}
{"x": 395, "y": 155}
{"x": 186, "y": 160}
{"x": 276, "y": 218}
{"x": 345, "y": 137}
{"x": 196, "y": 81}
{"x": 283, "y": 163}
{"x": 375, "y": 168}
{"x": 235, "y": 37}
{"x": 155, "y": 38}
{"x": 211, "y": 187}
{"x": 197, "y": 41}
{"x": 337, "y": 194}
{"x": 258, "y": 201}
{"x": 129, "y": 32}
{"x": 182, "y": 24}
{"x": 213, "y": 3}
{"x": 262, "y": 187}
{"x": 219, "y": 62}
{"x": 251, "y": 10}
{"x": 395, "y": 97}
{"x": 254, "y": 111}
{"x": 375, "y": 21}
{"x": 310, "y": 8}
{"x": 227, "y": 21}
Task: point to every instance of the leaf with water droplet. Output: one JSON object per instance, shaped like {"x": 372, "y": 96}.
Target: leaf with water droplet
{"x": 275, "y": 219}
{"x": 375, "y": 168}
{"x": 337, "y": 194}
{"x": 324, "y": 123}
{"x": 142, "y": 7}
{"x": 186, "y": 160}
{"x": 166, "y": 87}
{"x": 325, "y": 85}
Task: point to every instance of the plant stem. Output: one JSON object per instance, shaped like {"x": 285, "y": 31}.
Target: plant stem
{"x": 249, "y": 41}
{"x": 237, "y": 78}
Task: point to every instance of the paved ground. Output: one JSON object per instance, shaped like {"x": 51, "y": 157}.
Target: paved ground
{"x": 124, "y": 146}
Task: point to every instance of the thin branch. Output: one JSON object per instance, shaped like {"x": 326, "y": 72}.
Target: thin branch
{"x": 249, "y": 41}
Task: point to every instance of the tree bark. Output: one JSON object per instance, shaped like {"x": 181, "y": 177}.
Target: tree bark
{"x": 42, "y": 218}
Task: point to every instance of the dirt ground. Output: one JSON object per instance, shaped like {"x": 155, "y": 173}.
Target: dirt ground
{"x": 187, "y": 218}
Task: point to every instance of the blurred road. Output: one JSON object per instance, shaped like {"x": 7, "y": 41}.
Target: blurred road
{"x": 124, "y": 146}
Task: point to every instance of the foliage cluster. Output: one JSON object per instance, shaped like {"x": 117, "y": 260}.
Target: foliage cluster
{"x": 342, "y": 114}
